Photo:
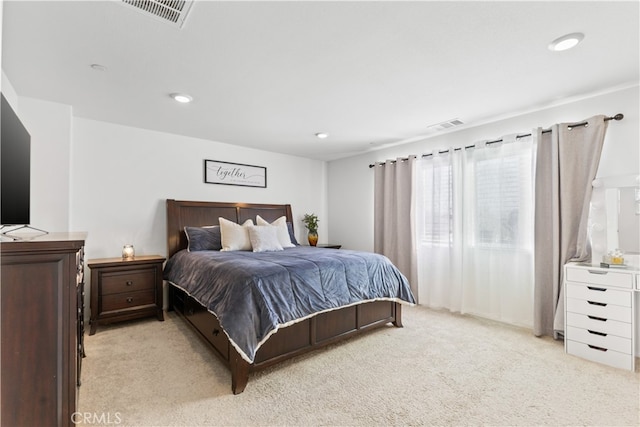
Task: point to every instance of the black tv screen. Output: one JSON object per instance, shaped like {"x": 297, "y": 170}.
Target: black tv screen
{"x": 15, "y": 168}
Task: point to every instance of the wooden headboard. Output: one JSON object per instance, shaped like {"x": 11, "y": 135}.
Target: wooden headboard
{"x": 181, "y": 213}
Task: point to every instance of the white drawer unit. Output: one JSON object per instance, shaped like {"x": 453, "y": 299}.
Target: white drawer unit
{"x": 600, "y": 314}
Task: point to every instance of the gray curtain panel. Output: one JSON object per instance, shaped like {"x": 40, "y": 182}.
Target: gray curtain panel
{"x": 394, "y": 234}
{"x": 567, "y": 163}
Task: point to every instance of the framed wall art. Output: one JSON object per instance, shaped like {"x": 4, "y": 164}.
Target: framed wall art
{"x": 226, "y": 173}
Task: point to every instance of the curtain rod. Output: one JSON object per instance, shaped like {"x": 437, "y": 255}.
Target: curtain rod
{"x": 617, "y": 117}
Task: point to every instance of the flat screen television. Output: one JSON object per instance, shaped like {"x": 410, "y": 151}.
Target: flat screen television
{"x": 15, "y": 168}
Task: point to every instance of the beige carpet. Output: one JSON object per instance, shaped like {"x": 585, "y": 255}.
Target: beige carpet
{"x": 440, "y": 369}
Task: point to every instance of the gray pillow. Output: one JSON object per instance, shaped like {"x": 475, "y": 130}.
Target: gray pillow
{"x": 203, "y": 238}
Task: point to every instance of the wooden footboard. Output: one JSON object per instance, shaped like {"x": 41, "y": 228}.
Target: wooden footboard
{"x": 307, "y": 335}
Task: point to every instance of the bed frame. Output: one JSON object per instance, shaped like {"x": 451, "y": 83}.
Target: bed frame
{"x": 312, "y": 333}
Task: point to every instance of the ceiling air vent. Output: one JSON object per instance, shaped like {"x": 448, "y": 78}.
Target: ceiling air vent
{"x": 445, "y": 125}
{"x": 172, "y": 12}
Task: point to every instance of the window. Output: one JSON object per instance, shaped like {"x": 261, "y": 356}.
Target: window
{"x": 436, "y": 203}
{"x": 474, "y": 224}
{"x": 495, "y": 200}
{"x": 501, "y": 186}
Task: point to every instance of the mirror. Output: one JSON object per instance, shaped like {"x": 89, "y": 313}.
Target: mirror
{"x": 614, "y": 217}
{"x": 628, "y": 230}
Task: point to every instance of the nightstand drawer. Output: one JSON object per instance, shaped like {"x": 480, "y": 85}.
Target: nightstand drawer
{"x": 601, "y": 310}
{"x": 595, "y": 324}
{"x": 604, "y": 356}
{"x": 598, "y": 294}
{"x": 127, "y": 300}
{"x": 127, "y": 281}
{"x": 598, "y": 276}
{"x": 598, "y": 339}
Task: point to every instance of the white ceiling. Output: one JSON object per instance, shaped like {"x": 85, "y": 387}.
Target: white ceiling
{"x": 269, "y": 75}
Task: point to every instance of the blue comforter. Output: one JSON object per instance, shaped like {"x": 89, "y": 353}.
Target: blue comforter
{"x": 254, "y": 294}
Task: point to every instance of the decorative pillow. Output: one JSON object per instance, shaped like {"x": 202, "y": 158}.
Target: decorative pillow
{"x": 235, "y": 237}
{"x": 264, "y": 238}
{"x": 282, "y": 231}
{"x": 292, "y": 236}
{"x": 203, "y": 238}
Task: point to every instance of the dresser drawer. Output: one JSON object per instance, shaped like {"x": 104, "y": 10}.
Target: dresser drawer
{"x": 601, "y": 310}
{"x": 597, "y": 339}
{"x": 604, "y": 356}
{"x": 123, "y": 301}
{"x": 600, "y": 277}
{"x": 605, "y": 326}
{"x": 599, "y": 295}
{"x": 127, "y": 281}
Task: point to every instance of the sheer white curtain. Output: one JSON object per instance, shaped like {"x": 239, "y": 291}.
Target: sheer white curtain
{"x": 436, "y": 227}
{"x": 474, "y": 211}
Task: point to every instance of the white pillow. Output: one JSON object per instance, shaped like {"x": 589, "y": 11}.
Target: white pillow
{"x": 235, "y": 237}
{"x": 282, "y": 231}
{"x": 264, "y": 238}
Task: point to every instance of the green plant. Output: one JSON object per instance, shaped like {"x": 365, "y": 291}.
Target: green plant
{"x": 311, "y": 222}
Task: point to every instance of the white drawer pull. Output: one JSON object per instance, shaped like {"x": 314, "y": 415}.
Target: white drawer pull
{"x": 601, "y": 304}
{"x": 597, "y": 348}
{"x": 593, "y": 288}
{"x": 597, "y": 271}
{"x": 597, "y": 318}
{"x": 602, "y": 334}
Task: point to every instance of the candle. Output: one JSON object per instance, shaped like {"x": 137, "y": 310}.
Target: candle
{"x": 128, "y": 252}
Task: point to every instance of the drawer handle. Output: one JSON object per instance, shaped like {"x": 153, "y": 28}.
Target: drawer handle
{"x": 130, "y": 300}
{"x": 597, "y": 271}
{"x": 216, "y": 332}
{"x": 602, "y": 334}
{"x": 601, "y": 304}
{"x": 593, "y": 288}
{"x": 129, "y": 283}
{"x": 597, "y": 348}
{"x": 602, "y": 319}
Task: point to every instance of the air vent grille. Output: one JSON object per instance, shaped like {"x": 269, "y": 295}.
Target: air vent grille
{"x": 170, "y": 11}
{"x": 445, "y": 125}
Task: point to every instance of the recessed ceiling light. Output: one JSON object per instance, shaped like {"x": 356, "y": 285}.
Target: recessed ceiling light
{"x": 182, "y": 97}
{"x": 98, "y": 67}
{"x": 566, "y": 42}
{"x": 322, "y": 135}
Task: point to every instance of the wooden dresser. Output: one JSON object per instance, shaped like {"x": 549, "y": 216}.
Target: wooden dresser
{"x": 42, "y": 285}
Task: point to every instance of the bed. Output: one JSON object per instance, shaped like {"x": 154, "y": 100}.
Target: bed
{"x": 247, "y": 320}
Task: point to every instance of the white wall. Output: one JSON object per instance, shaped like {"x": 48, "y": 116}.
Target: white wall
{"x": 9, "y": 92}
{"x": 49, "y": 125}
{"x": 350, "y": 181}
{"x": 121, "y": 177}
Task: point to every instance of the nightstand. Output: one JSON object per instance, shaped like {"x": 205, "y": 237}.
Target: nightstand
{"x": 125, "y": 289}
{"x": 328, "y": 246}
